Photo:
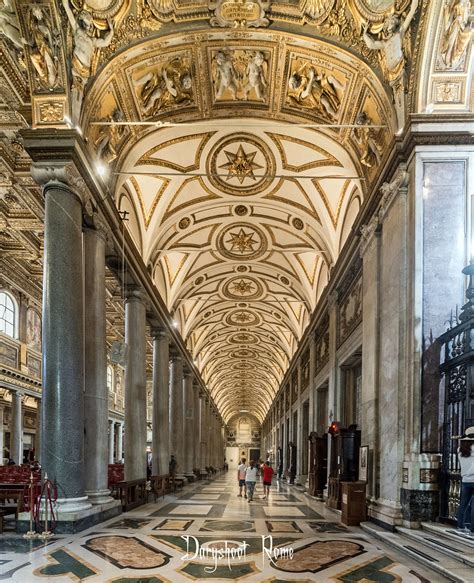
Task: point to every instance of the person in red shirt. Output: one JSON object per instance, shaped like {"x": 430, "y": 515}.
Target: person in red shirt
{"x": 267, "y": 479}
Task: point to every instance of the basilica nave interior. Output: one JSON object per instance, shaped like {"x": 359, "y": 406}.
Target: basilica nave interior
{"x": 236, "y": 230}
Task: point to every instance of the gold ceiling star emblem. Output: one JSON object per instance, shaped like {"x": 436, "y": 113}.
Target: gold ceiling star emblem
{"x": 243, "y": 287}
{"x": 240, "y": 165}
{"x": 242, "y": 317}
{"x": 242, "y": 241}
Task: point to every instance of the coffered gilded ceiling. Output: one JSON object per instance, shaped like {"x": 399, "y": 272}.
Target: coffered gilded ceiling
{"x": 242, "y": 178}
{"x": 239, "y": 226}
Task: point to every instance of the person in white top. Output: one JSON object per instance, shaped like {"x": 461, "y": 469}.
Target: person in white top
{"x": 251, "y": 479}
{"x": 466, "y": 460}
{"x": 241, "y": 469}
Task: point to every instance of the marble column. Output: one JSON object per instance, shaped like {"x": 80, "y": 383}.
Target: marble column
{"x": 16, "y": 427}
{"x": 2, "y": 435}
{"x": 188, "y": 411}
{"x": 95, "y": 369}
{"x": 62, "y": 446}
{"x": 202, "y": 430}
{"x": 176, "y": 436}
{"x": 135, "y": 387}
{"x": 209, "y": 433}
{"x": 120, "y": 442}
{"x": 161, "y": 404}
{"x": 197, "y": 428}
{"x": 300, "y": 438}
{"x": 111, "y": 440}
{"x": 38, "y": 431}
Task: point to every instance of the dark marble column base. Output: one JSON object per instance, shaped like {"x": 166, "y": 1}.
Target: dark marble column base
{"x": 70, "y": 523}
{"x": 419, "y": 505}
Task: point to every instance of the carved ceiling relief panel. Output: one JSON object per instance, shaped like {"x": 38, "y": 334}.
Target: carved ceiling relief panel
{"x": 350, "y": 312}
{"x": 305, "y": 371}
{"x": 40, "y": 26}
{"x": 452, "y": 59}
{"x": 321, "y": 341}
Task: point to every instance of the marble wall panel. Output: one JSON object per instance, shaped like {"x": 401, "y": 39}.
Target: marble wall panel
{"x": 444, "y": 256}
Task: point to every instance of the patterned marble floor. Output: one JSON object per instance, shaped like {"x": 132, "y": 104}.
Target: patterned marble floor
{"x": 208, "y": 533}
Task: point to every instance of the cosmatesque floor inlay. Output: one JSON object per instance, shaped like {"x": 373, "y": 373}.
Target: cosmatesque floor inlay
{"x": 192, "y": 536}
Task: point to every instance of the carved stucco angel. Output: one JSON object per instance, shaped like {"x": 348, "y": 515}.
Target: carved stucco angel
{"x": 367, "y": 140}
{"x": 43, "y": 42}
{"x": 110, "y": 137}
{"x": 85, "y": 44}
{"x": 391, "y": 45}
{"x": 256, "y": 76}
{"x": 9, "y": 25}
{"x": 161, "y": 88}
{"x": 317, "y": 90}
{"x": 224, "y": 75}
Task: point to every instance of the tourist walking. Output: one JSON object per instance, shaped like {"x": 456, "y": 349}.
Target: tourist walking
{"x": 466, "y": 460}
{"x": 251, "y": 479}
{"x": 242, "y": 468}
{"x": 267, "y": 479}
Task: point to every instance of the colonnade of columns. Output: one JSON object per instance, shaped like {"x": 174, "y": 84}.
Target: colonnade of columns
{"x": 15, "y": 427}
{"x": 78, "y": 439}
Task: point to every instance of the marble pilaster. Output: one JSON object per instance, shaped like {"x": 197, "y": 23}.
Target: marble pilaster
{"x": 176, "y": 436}
{"x": 95, "y": 370}
{"x": 188, "y": 411}
{"x": 161, "y": 404}
{"x": 135, "y": 387}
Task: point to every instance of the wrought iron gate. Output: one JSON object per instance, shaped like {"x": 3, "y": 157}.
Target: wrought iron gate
{"x": 457, "y": 368}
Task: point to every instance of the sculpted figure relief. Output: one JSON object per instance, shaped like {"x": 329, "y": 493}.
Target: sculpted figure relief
{"x": 256, "y": 71}
{"x": 110, "y": 137}
{"x": 457, "y": 32}
{"x": 316, "y": 90}
{"x": 367, "y": 140}
{"x": 224, "y": 75}
{"x": 391, "y": 47}
{"x": 163, "y": 88}
{"x": 242, "y": 74}
{"x": 43, "y": 43}
{"x": 85, "y": 44}
{"x": 9, "y": 25}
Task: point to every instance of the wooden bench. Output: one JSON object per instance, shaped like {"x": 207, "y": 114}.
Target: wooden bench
{"x": 160, "y": 485}
{"x": 5, "y": 511}
{"x": 131, "y": 494}
{"x": 176, "y": 483}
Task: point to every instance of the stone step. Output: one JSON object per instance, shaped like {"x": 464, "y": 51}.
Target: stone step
{"x": 455, "y": 549}
{"x": 449, "y": 567}
{"x": 449, "y": 533}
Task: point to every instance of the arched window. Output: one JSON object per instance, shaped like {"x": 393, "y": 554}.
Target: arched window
{"x": 8, "y": 314}
{"x": 110, "y": 375}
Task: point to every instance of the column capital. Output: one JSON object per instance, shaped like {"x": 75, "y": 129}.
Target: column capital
{"x": 63, "y": 174}
{"x": 134, "y": 293}
{"x": 187, "y": 372}
{"x": 158, "y": 333}
{"x": 175, "y": 354}
{"x": 17, "y": 393}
